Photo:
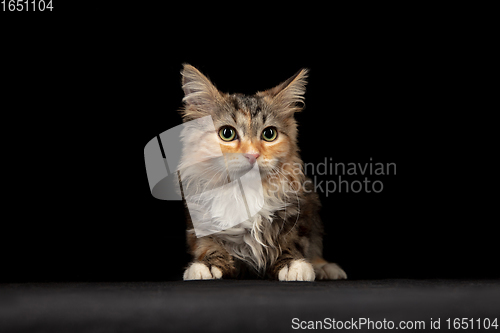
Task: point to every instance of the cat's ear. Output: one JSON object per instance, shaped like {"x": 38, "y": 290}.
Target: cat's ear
{"x": 200, "y": 95}
{"x": 289, "y": 95}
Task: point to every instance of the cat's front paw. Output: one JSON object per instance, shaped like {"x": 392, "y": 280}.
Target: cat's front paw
{"x": 200, "y": 271}
{"x": 297, "y": 270}
{"x": 329, "y": 271}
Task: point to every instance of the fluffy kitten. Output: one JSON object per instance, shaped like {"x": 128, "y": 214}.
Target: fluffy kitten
{"x": 284, "y": 240}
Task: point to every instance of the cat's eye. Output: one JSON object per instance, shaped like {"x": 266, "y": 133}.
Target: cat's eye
{"x": 227, "y": 133}
{"x": 269, "y": 134}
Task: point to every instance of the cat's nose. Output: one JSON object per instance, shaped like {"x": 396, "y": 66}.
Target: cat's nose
{"x": 252, "y": 157}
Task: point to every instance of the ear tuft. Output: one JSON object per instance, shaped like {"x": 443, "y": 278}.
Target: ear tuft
{"x": 198, "y": 90}
{"x": 289, "y": 94}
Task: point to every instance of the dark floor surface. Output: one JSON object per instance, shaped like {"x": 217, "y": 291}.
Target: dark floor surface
{"x": 238, "y": 306}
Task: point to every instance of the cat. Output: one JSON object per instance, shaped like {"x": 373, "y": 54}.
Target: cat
{"x": 284, "y": 240}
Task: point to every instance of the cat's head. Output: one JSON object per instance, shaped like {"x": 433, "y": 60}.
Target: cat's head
{"x": 248, "y": 128}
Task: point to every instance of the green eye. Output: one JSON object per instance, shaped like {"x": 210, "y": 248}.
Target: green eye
{"x": 227, "y": 133}
{"x": 269, "y": 134}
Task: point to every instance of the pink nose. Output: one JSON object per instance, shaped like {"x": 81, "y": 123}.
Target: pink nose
{"x": 252, "y": 157}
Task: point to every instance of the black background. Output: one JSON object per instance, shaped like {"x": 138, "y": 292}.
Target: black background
{"x": 88, "y": 92}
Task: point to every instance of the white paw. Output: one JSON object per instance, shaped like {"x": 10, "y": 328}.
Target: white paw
{"x": 297, "y": 270}
{"x": 329, "y": 271}
{"x": 199, "y": 271}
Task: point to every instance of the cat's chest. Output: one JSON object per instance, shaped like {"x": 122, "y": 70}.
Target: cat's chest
{"x": 254, "y": 240}
{"x": 254, "y": 226}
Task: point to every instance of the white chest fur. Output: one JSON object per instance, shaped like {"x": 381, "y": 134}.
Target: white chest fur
{"x": 252, "y": 240}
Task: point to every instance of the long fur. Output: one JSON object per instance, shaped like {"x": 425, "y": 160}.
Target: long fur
{"x": 285, "y": 237}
